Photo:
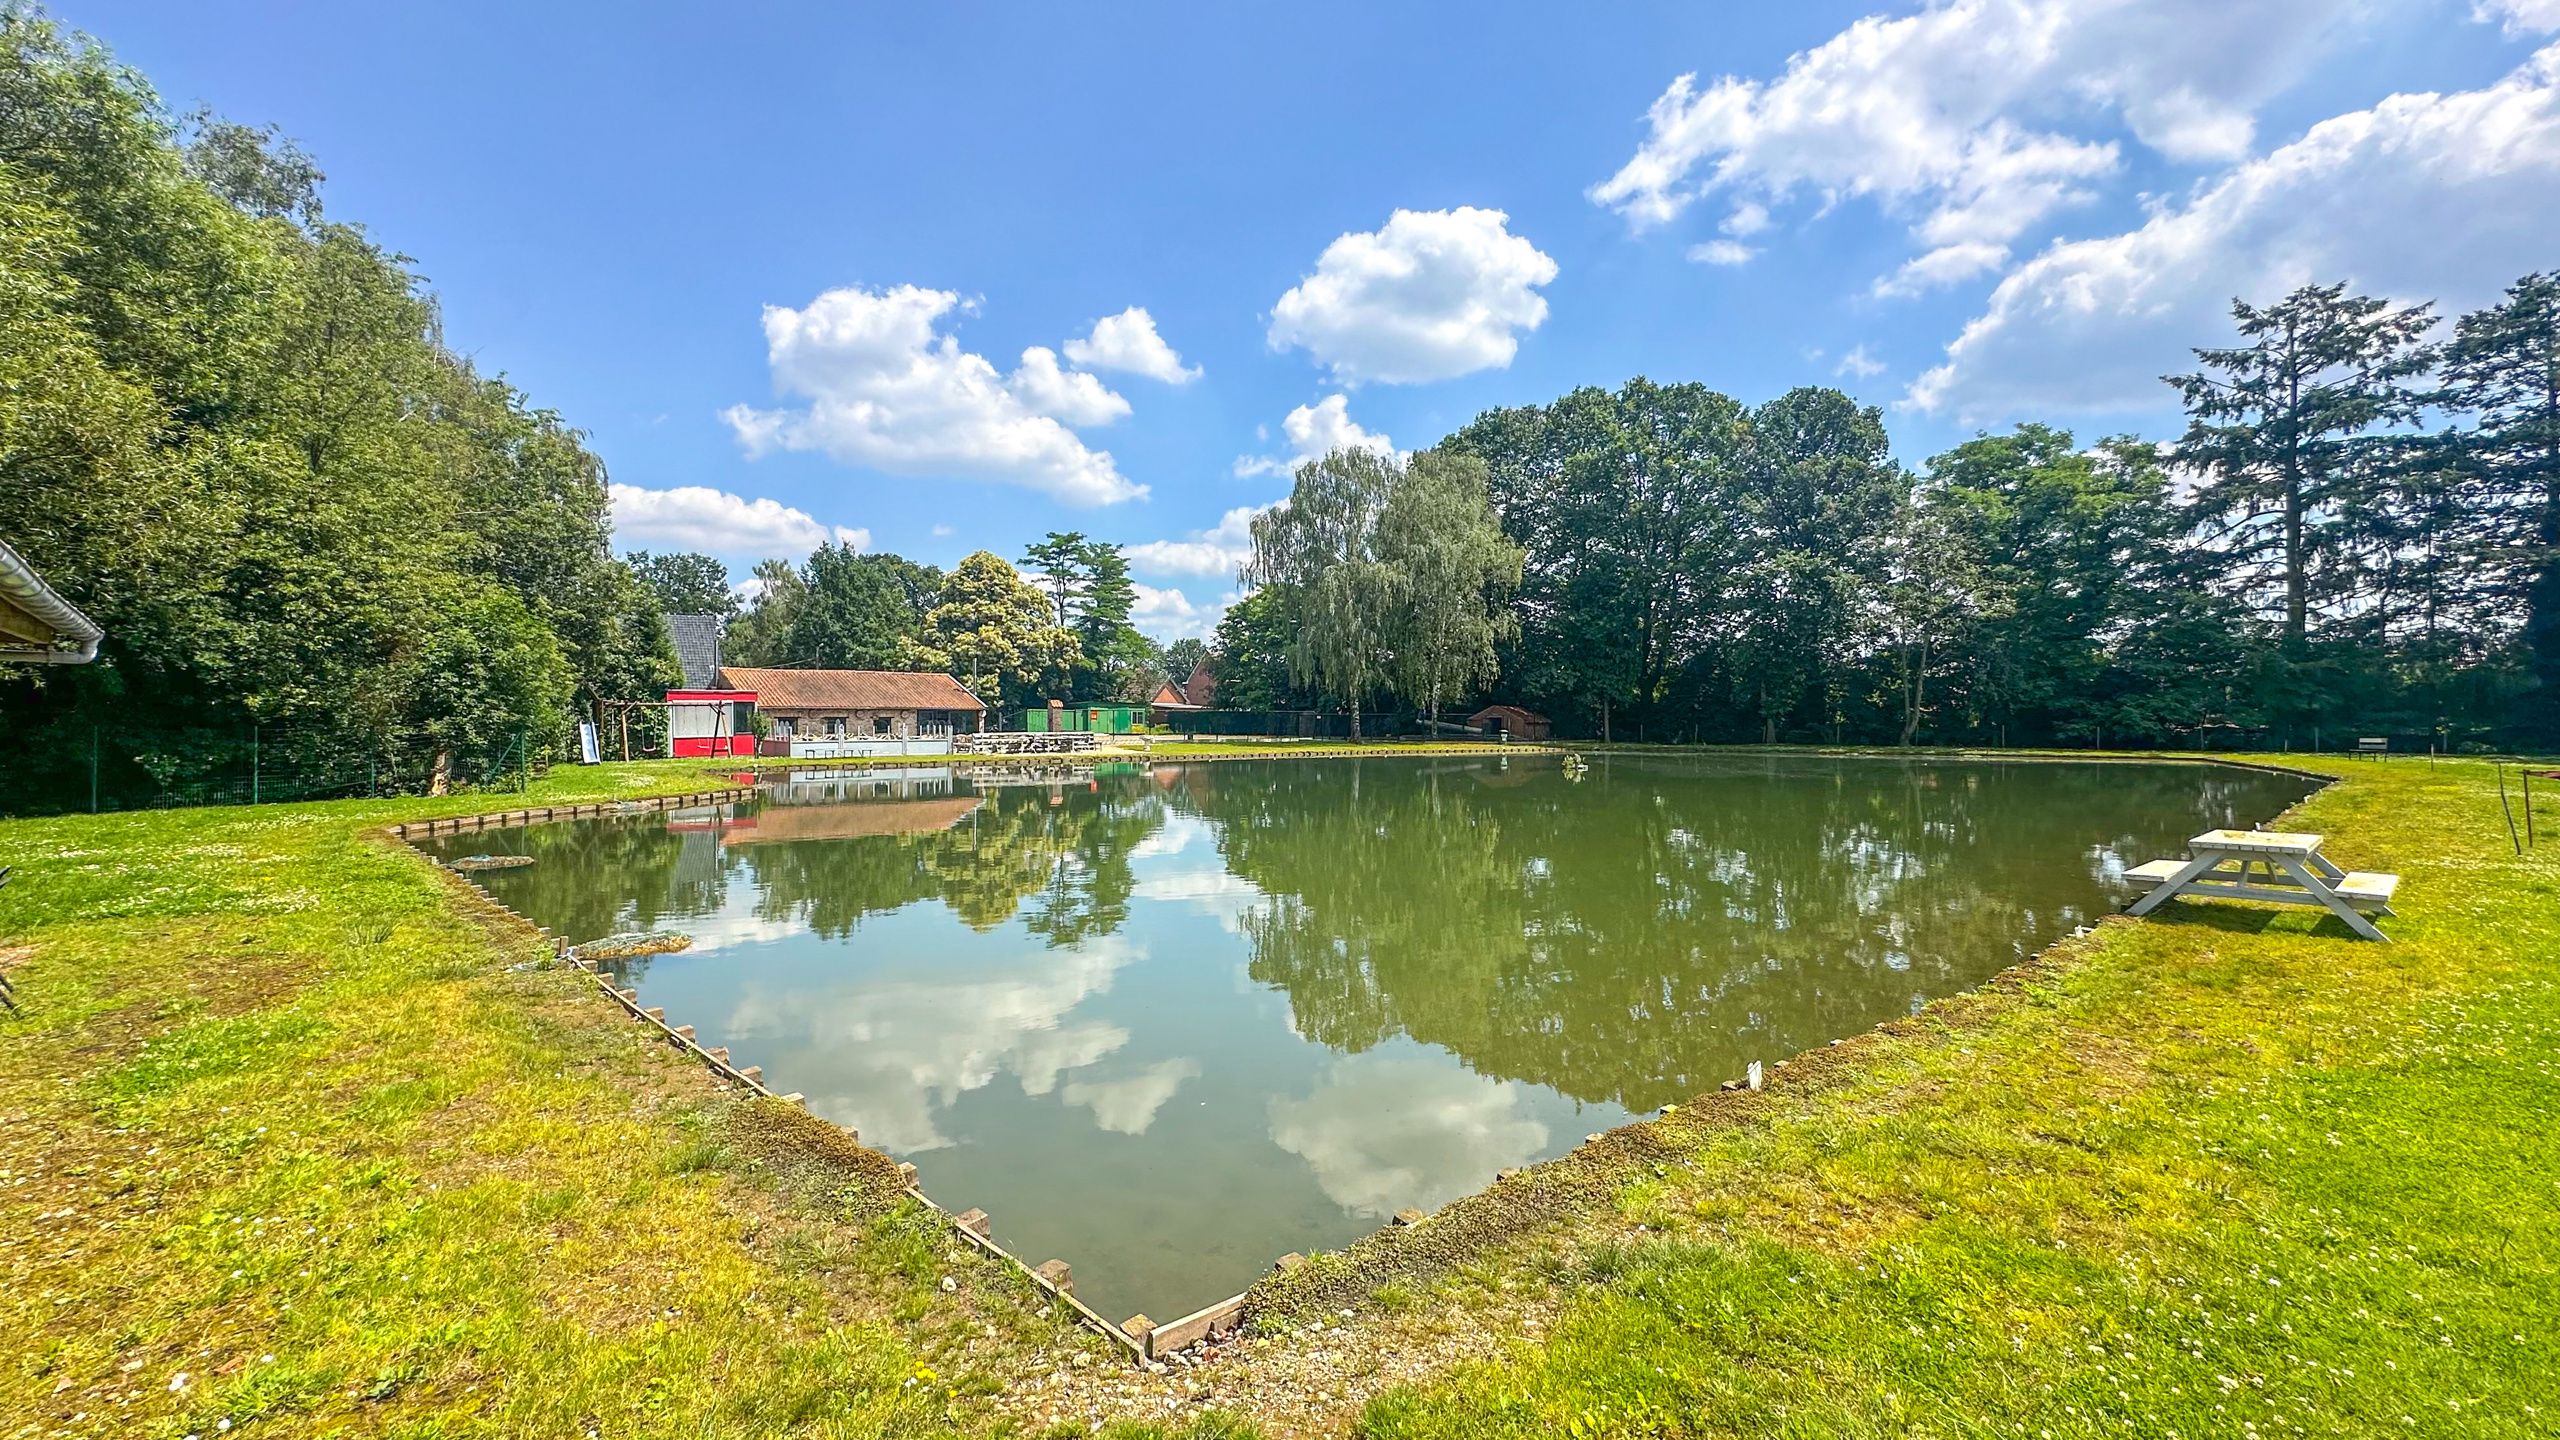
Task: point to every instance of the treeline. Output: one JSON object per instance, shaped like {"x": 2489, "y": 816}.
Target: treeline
{"x": 1059, "y": 628}
{"x": 2358, "y": 531}
{"x": 321, "y": 544}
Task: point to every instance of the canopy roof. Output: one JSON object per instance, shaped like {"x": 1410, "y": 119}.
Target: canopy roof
{"x": 38, "y": 626}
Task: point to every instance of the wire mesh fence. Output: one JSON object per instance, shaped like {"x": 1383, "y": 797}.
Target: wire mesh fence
{"x": 101, "y": 766}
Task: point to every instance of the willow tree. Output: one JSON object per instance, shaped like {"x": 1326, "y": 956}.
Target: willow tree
{"x": 1322, "y": 543}
{"x": 1457, "y": 573}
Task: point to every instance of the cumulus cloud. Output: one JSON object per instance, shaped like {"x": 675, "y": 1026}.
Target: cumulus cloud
{"x": 697, "y": 517}
{"x": 1432, "y": 294}
{"x": 1128, "y": 341}
{"x": 1382, "y": 1132}
{"x": 884, "y": 389}
{"x": 1935, "y": 115}
{"x": 2422, "y": 197}
{"x": 1170, "y": 615}
{"x": 2519, "y": 17}
{"x": 889, "y": 1053}
{"x": 1313, "y": 432}
{"x": 1128, "y": 1104}
{"x": 1068, "y": 395}
{"x": 1221, "y": 549}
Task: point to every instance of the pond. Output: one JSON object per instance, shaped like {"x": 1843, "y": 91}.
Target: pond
{"x": 1168, "y": 1023}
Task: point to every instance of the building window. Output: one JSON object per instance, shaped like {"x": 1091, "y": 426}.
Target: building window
{"x": 879, "y": 724}
{"x": 782, "y": 727}
{"x": 835, "y": 725}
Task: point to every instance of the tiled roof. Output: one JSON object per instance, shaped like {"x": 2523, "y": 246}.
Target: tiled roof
{"x": 802, "y": 690}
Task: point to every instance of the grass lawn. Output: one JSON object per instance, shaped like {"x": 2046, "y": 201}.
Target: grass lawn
{"x": 293, "y": 1138}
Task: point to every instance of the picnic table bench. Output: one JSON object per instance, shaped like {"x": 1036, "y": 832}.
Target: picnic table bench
{"x": 2284, "y": 867}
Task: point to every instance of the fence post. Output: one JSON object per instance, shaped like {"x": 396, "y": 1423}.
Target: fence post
{"x": 253, "y": 764}
{"x": 524, "y": 764}
{"x": 93, "y": 769}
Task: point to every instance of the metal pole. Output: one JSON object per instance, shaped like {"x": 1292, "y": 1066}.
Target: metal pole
{"x": 253, "y": 764}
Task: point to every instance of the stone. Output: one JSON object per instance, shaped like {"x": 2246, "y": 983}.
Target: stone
{"x": 1138, "y": 1327}
{"x": 1058, "y": 1273}
{"x": 906, "y": 1173}
{"x": 753, "y": 1074}
{"x": 1410, "y": 1216}
{"x": 1290, "y": 1261}
{"x": 975, "y": 1222}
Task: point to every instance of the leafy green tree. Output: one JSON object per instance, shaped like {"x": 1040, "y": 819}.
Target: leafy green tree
{"x": 1625, "y": 507}
{"x": 1061, "y": 564}
{"x": 761, "y": 636}
{"x": 2290, "y": 436}
{"x": 1817, "y": 514}
{"x": 1182, "y": 657}
{"x": 686, "y": 583}
{"x": 2503, "y": 371}
{"x": 854, "y": 611}
{"x": 1457, "y": 574}
{"x": 991, "y": 629}
{"x": 1249, "y": 654}
{"x": 1322, "y": 543}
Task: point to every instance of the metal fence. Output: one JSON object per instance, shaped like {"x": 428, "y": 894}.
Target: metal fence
{"x": 101, "y": 767}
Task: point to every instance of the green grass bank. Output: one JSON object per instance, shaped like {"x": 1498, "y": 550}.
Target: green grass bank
{"x": 292, "y": 1136}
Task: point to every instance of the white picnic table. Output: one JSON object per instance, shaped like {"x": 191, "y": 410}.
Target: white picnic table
{"x": 2282, "y": 866}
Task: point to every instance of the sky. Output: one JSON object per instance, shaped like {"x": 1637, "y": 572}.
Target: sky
{"x": 939, "y": 279}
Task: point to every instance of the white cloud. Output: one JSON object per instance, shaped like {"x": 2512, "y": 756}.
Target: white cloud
{"x": 1068, "y": 395}
{"x": 1721, "y": 252}
{"x": 2422, "y": 197}
{"x": 885, "y": 390}
{"x": 1313, "y": 432}
{"x": 697, "y": 517}
{"x": 1128, "y": 341}
{"x": 1170, "y": 615}
{"x": 1384, "y": 1131}
{"x": 941, "y": 531}
{"x": 888, "y": 1053}
{"x": 1748, "y": 218}
{"x": 1432, "y": 294}
{"x": 1859, "y": 363}
{"x": 1931, "y": 115}
{"x": 1219, "y": 550}
{"x": 1128, "y": 1105}
{"x": 2519, "y": 17}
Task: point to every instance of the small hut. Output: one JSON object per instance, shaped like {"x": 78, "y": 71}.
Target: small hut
{"x": 1510, "y": 722}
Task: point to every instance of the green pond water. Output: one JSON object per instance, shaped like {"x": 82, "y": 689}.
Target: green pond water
{"x": 1170, "y": 1023}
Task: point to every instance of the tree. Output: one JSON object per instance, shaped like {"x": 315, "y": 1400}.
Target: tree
{"x": 1061, "y": 563}
{"x": 762, "y": 635}
{"x": 2503, "y": 370}
{"x": 2056, "y": 539}
{"x": 686, "y": 583}
{"x": 2288, "y": 434}
{"x": 1249, "y": 654}
{"x": 854, "y": 611}
{"x": 1456, "y": 572}
{"x": 1817, "y": 512}
{"x": 1625, "y": 507}
{"x": 991, "y": 629}
{"x": 1322, "y": 543}
{"x": 1183, "y": 657}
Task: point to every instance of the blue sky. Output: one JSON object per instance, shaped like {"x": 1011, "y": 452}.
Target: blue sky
{"x": 784, "y": 263}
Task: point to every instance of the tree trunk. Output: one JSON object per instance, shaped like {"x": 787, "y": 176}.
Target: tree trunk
{"x": 1355, "y": 719}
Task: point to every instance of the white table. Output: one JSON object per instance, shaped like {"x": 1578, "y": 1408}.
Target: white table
{"x": 2284, "y": 867}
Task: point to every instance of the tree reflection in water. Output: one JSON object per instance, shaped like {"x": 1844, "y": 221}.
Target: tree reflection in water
{"x": 1170, "y": 1024}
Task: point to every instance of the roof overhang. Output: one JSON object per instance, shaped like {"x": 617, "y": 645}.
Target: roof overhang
{"x": 37, "y": 626}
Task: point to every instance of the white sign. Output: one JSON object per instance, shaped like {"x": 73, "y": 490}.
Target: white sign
{"x": 587, "y": 743}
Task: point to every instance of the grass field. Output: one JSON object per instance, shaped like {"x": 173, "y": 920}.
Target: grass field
{"x": 292, "y": 1139}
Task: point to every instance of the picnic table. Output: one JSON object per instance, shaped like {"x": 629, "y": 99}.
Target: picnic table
{"x": 2285, "y": 867}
